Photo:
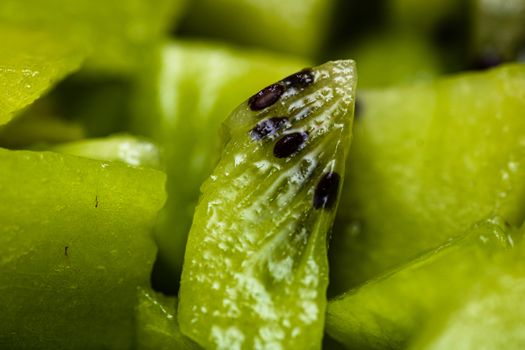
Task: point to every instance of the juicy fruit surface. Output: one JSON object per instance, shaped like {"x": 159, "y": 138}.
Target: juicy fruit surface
{"x": 182, "y": 107}
{"x": 298, "y": 27}
{"x": 75, "y": 243}
{"x": 34, "y": 62}
{"x": 157, "y": 326}
{"x": 255, "y": 272}
{"x": 489, "y": 317}
{"x": 114, "y": 32}
{"x": 386, "y": 312}
{"x": 435, "y": 158}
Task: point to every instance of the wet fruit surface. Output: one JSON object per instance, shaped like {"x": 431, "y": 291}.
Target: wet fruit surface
{"x": 255, "y": 271}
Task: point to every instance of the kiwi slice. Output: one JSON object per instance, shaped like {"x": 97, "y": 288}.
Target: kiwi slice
{"x": 490, "y": 316}
{"x": 33, "y": 62}
{"x": 428, "y": 161}
{"x": 255, "y": 270}
{"x": 182, "y": 107}
{"x": 75, "y": 244}
{"x": 386, "y": 311}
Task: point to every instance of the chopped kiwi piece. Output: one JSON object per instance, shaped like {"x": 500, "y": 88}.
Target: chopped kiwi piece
{"x": 490, "y": 316}
{"x": 498, "y": 33}
{"x": 293, "y": 26}
{"x": 429, "y": 161}
{"x": 115, "y": 33}
{"x": 123, "y": 148}
{"x": 255, "y": 271}
{"x": 386, "y": 311}
{"x": 32, "y": 63}
{"x": 75, "y": 244}
{"x": 409, "y": 57}
{"x": 181, "y": 107}
{"x": 157, "y": 326}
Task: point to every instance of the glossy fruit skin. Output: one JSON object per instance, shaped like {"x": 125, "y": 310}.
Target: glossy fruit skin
{"x": 75, "y": 243}
{"x": 436, "y": 158}
{"x": 255, "y": 272}
{"x": 389, "y": 310}
{"x": 182, "y": 107}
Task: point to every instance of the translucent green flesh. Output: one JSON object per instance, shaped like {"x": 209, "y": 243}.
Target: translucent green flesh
{"x": 410, "y": 58}
{"x": 114, "y": 32}
{"x": 33, "y": 62}
{"x": 489, "y": 317}
{"x": 182, "y": 107}
{"x": 255, "y": 271}
{"x": 298, "y": 26}
{"x": 157, "y": 326}
{"x": 75, "y": 243}
{"x": 123, "y": 148}
{"x": 429, "y": 161}
{"x": 386, "y": 312}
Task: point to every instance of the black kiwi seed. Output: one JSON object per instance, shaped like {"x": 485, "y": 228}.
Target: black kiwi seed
{"x": 300, "y": 79}
{"x": 289, "y": 144}
{"x": 268, "y": 127}
{"x": 266, "y": 97}
{"x": 326, "y": 190}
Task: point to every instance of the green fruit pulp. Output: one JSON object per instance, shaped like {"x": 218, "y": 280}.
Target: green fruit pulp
{"x": 157, "y": 326}
{"x": 123, "y": 148}
{"x": 114, "y": 32}
{"x": 32, "y": 63}
{"x": 181, "y": 107}
{"x": 387, "y": 311}
{"x": 255, "y": 271}
{"x": 409, "y": 58}
{"x": 490, "y": 316}
{"x": 428, "y": 161}
{"x": 293, "y": 26}
{"x": 75, "y": 243}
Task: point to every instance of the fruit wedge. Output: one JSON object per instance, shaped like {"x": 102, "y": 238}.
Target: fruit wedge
{"x": 75, "y": 244}
{"x": 30, "y": 64}
{"x": 489, "y": 317}
{"x": 114, "y": 32}
{"x": 182, "y": 106}
{"x": 157, "y": 326}
{"x": 386, "y": 312}
{"x": 255, "y": 271}
{"x": 294, "y": 26}
{"x": 429, "y": 161}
